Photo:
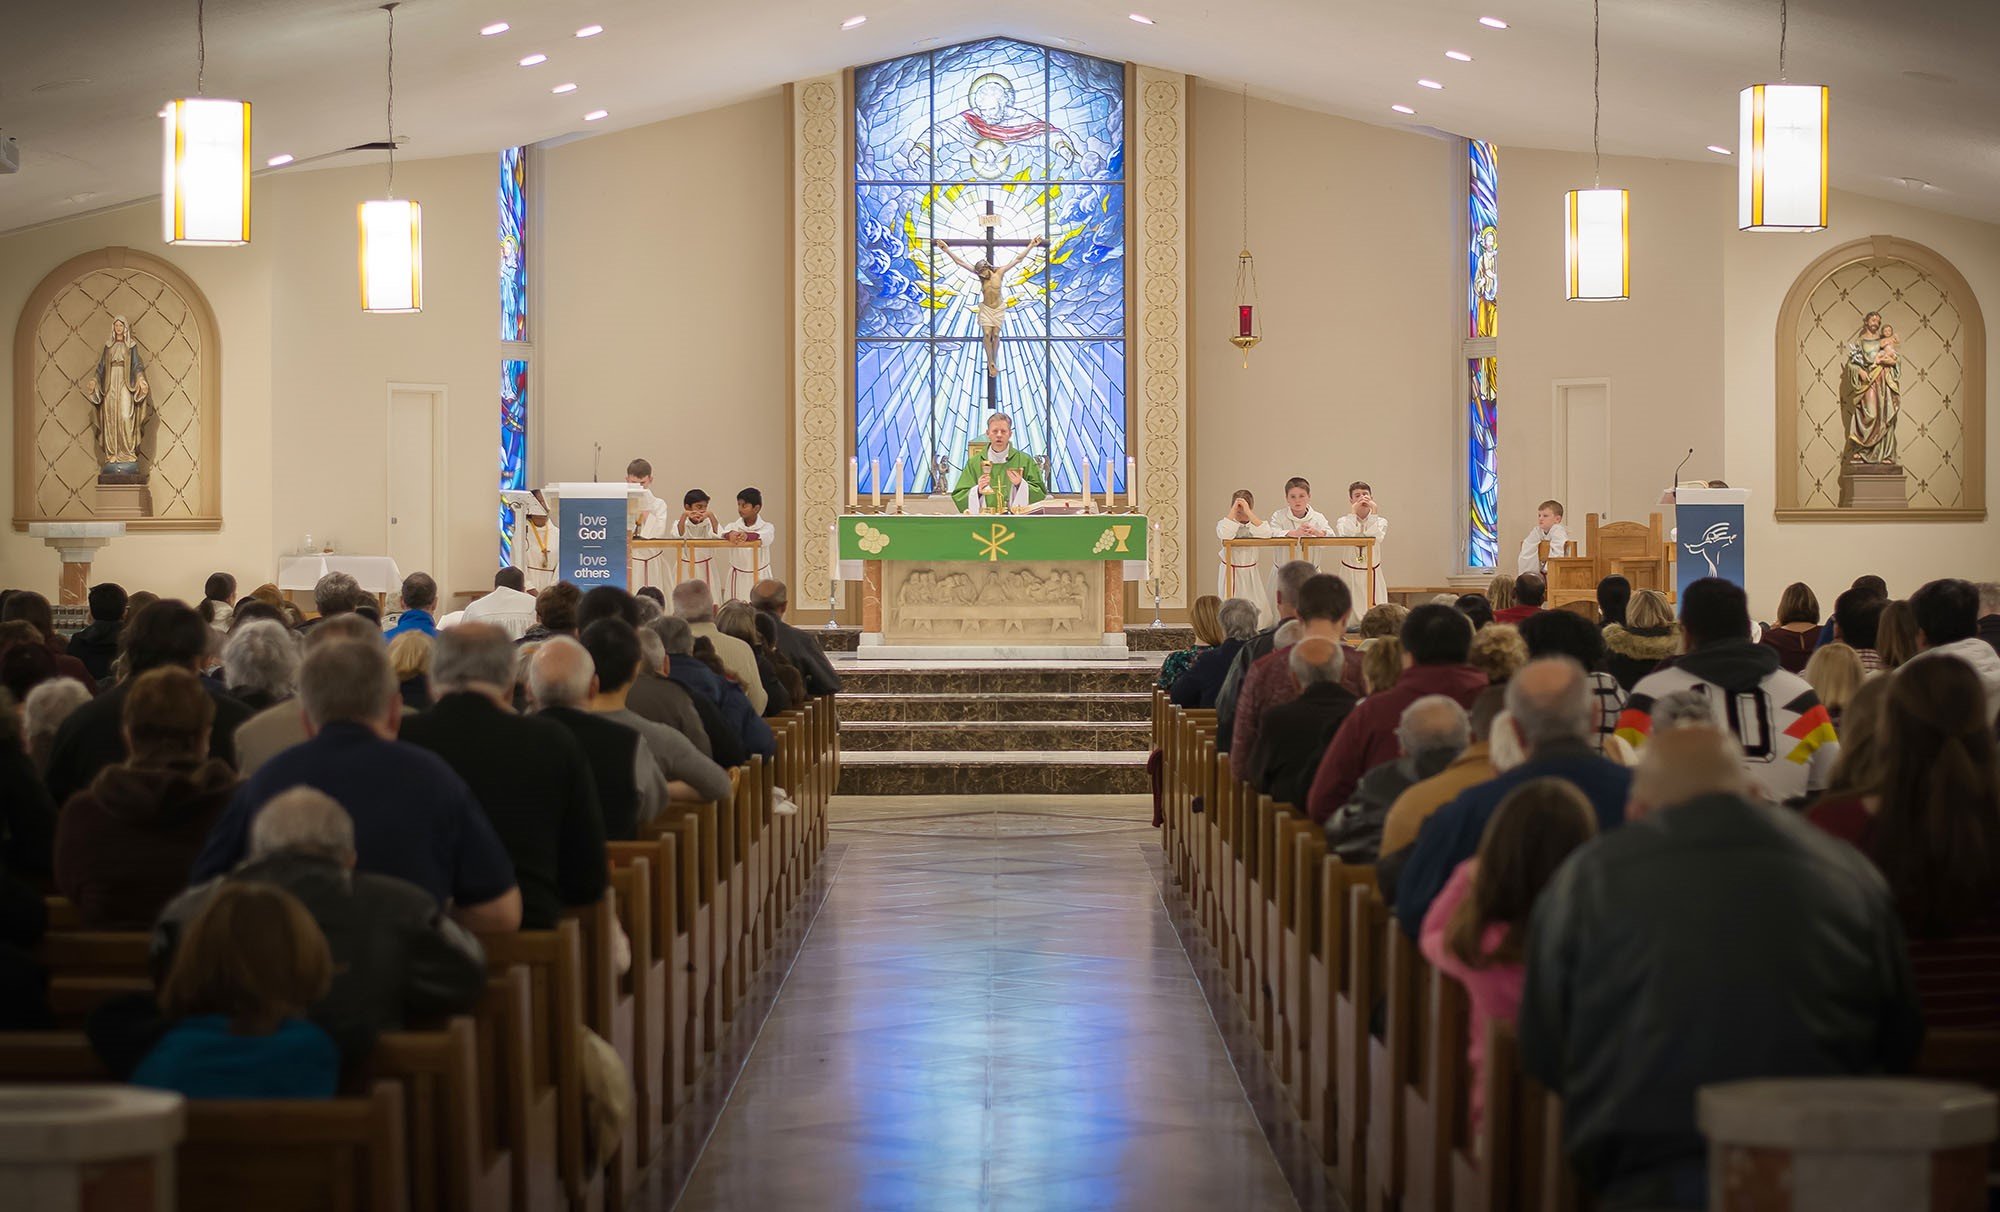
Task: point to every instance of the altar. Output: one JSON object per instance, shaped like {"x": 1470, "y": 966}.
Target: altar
{"x": 992, "y": 586}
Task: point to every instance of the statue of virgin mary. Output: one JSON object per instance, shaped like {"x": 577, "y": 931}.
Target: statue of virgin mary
{"x": 119, "y": 393}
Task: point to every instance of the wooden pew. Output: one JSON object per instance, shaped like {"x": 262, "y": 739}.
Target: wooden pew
{"x": 643, "y": 987}
{"x": 310, "y": 1155}
{"x": 1395, "y": 1061}
{"x": 1437, "y": 1094}
{"x": 691, "y": 926}
{"x": 1351, "y": 1049}
{"x": 667, "y": 977}
{"x": 455, "y": 1161}
{"x": 89, "y": 967}
{"x": 609, "y": 1011}
{"x": 554, "y": 963}
{"x": 522, "y": 1113}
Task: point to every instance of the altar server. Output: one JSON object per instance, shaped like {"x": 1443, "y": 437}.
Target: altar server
{"x": 749, "y": 565}
{"x": 1298, "y": 519}
{"x": 696, "y": 522}
{"x": 1548, "y": 529}
{"x": 1363, "y": 520}
{"x": 648, "y": 565}
{"x": 537, "y": 547}
{"x": 1247, "y": 564}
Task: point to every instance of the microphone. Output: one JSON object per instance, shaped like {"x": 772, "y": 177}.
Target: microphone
{"x": 597, "y": 457}
{"x": 1677, "y": 473}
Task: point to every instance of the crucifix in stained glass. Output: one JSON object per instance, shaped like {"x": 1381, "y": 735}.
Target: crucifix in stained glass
{"x": 992, "y": 281}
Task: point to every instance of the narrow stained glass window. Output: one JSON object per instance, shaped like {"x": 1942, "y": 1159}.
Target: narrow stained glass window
{"x": 1482, "y": 304}
{"x": 513, "y": 244}
{"x": 513, "y": 445}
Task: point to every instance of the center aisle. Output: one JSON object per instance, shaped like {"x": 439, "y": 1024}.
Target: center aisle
{"x": 992, "y": 1011}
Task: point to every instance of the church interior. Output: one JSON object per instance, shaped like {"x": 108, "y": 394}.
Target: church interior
{"x": 900, "y": 685}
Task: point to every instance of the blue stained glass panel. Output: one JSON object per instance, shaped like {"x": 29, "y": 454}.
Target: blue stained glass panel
{"x": 513, "y": 444}
{"x": 1482, "y": 307}
{"x": 513, "y": 244}
{"x": 1482, "y": 548}
{"x": 1482, "y": 277}
{"x": 1040, "y": 136}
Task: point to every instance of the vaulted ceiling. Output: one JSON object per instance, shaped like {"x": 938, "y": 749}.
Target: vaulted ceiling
{"x": 1916, "y": 87}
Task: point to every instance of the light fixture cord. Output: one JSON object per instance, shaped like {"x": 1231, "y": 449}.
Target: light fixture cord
{"x": 200, "y": 46}
{"x": 1246, "y": 166}
{"x": 1596, "y": 90}
{"x": 391, "y": 10}
{"x": 1784, "y": 22}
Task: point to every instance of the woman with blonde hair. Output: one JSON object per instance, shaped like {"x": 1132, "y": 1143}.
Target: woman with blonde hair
{"x": 1500, "y": 592}
{"x": 1835, "y": 673}
{"x": 1384, "y": 620}
{"x": 410, "y": 656}
{"x": 1207, "y": 634}
{"x": 249, "y": 966}
{"x": 1648, "y": 636}
{"x": 1382, "y": 664}
{"x": 1896, "y": 634}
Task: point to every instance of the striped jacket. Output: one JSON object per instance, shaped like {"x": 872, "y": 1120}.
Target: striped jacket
{"x": 1789, "y": 745}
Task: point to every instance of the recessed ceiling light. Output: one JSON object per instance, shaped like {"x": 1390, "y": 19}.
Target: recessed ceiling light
{"x": 498, "y": 27}
{"x": 531, "y": 60}
{"x": 1141, "y": 18}
{"x": 1429, "y": 84}
{"x": 1720, "y": 151}
{"x": 854, "y": 23}
{"x": 590, "y": 31}
{"x": 1492, "y": 23}
{"x": 1402, "y": 109}
{"x": 1461, "y": 56}
{"x": 595, "y": 114}
{"x": 563, "y": 88}
{"x": 275, "y": 161}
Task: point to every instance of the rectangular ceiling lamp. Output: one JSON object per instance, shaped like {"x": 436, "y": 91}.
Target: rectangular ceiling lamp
{"x": 1597, "y": 244}
{"x": 392, "y": 256}
{"x": 205, "y": 186}
{"x": 1782, "y": 157}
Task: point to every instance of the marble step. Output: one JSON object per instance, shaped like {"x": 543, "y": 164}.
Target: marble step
{"x": 1141, "y": 637}
{"x": 1136, "y": 677}
{"x": 933, "y": 772}
{"x": 1108, "y": 706}
{"x": 1013, "y": 736}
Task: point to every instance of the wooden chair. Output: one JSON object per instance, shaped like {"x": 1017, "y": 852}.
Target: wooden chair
{"x": 1637, "y": 551}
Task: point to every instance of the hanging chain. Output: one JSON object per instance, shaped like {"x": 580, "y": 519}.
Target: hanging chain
{"x": 391, "y": 10}
{"x": 1246, "y": 166}
{"x": 200, "y": 46}
{"x": 1596, "y": 90}
{"x": 1784, "y": 22}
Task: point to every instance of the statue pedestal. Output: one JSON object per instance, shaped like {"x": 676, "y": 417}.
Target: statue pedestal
{"x": 119, "y": 497}
{"x": 77, "y": 543}
{"x": 1873, "y": 486}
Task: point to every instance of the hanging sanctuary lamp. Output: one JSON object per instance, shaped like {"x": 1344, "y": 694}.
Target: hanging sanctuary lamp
{"x": 1597, "y": 245}
{"x": 1249, "y": 329}
{"x": 392, "y": 230}
{"x": 1782, "y": 135}
{"x": 205, "y": 186}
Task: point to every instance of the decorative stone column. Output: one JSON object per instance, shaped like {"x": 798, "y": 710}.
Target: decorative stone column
{"x": 1159, "y": 101}
{"x": 77, "y": 543}
{"x": 821, "y": 352}
{"x": 89, "y": 1148}
{"x": 1806, "y": 1144}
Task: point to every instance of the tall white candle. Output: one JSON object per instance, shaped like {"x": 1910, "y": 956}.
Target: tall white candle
{"x": 853, "y": 482}
{"x": 1131, "y": 484}
{"x": 1086, "y": 483}
{"x": 1109, "y": 481}
{"x": 897, "y": 476}
{"x": 875, "y": 483}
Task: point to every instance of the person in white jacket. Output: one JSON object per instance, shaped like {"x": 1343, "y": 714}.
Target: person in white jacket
{"x": 1240, "y": 573}
{"x": 1548, "y": 529}
{"x": 1947, "y": 613}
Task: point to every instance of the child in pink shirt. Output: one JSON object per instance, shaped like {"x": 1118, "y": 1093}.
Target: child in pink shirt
{"x": 1476, "y": 930}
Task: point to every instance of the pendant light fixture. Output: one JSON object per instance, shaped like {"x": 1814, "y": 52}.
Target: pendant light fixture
{"x": 392, "y": 230}
{"x": 1782, "y": 146}
{"x": 1249, "y": 329}
{"x": 205, "y": 173}
{"x": 1597, "y": 221}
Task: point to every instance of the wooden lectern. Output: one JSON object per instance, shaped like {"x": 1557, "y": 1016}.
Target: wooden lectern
{"x": 1636, "y": 551}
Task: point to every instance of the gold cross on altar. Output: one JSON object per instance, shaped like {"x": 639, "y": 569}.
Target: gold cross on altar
{"x": 993, "y": 543}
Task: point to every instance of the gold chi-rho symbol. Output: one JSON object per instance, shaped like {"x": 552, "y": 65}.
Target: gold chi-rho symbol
{"x": 993, "y": 544}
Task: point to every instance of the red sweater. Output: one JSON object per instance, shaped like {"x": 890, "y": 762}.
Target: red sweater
{"x": 1515, "y": 614}
{"x": 1367, "y": 738}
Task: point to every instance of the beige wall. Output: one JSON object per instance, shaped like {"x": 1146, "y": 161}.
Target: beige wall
{"x": 1357, "y": 232}
{"x": 666, "y": 306}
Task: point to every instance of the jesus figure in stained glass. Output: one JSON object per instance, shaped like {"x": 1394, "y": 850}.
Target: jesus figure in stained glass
{"x": 979, "y": 140}
{"x": 991, "y": 309}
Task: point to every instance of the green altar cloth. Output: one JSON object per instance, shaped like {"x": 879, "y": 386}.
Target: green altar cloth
{"x": 993, "y": 538}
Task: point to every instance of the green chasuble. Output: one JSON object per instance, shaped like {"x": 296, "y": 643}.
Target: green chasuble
{"x": 1030, "y": 474}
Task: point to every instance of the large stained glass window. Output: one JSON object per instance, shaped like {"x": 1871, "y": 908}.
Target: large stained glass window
{"x": 1036, "y": 139}
{"x": 513, "y": 444}
{"x": 1482, "y": 305}
{"x": 513, "y": 244}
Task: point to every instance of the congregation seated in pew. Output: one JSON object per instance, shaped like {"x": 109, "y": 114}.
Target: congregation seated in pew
{"x": 1293, "y": 736}
{"x": 1434, "y": 730}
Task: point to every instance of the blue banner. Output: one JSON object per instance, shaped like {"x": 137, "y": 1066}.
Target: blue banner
{"x": 594, "y": 538}
{"x": 1709, "y": 536}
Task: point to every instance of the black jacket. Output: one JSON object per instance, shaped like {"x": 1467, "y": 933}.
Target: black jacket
{"x": 1294, "y": 738}
{"x": 613, "y": 751}
{"x": 1200, "y": 685}
{"x": 97, "y": 646}
{"x": 1232, "y": 684}
{"x": 1354, "y": 831}
{"x": 397, "y": 960}
{"x": 1630, "y": 655}
{"x": 805, "y": 652}
{"x": 534, "y": 782}
{"x": 1709, "y": 942}
{"x": 93, "y": 738}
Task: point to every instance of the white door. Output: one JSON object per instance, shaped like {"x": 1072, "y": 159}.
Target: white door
{"x": 413, "y": 415}
{"x": 1583, "y": 451}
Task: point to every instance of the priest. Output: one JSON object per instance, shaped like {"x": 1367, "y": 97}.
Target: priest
{"x": 1002, "y": 470}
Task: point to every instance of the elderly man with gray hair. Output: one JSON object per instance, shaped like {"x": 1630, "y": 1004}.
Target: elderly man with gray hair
{"x": 282, "y": 725}
{"x": 1200, "y": 684}
{"x": 695, "y": 605}
{"x": 1434, "y": 730}
{"x": 260, "y": 663}
{"x": 656, "y": 698}
{"x": 1552, "y": 712}
{"x": 335, "y": 594}
{"x": 1291, "y": 577}
{"x": 412, "y": 817}
{"x": 397, "y": 959}
{"x": 1295, "y": 734}
{"x": 529, "y": 774}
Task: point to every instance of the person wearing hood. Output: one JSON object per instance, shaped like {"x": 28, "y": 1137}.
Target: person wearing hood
{"x": 1788, "y": 739}
{"x": 1948, "y": 625}
{"x": 124, "y": 844}
{"x": 97, "y": 644}
{"x": 1635, "y": 646}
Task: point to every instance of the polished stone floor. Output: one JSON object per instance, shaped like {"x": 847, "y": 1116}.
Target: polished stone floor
{"x": 991, "y": 1010}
